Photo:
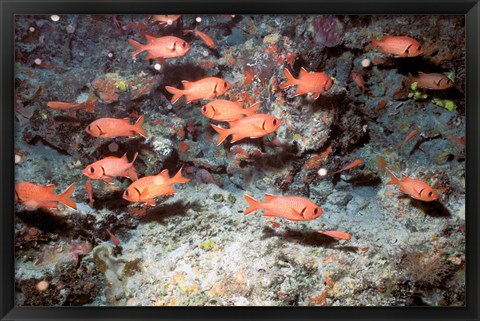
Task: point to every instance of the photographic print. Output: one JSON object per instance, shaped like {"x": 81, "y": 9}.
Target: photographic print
{"x": 240, "y": 160}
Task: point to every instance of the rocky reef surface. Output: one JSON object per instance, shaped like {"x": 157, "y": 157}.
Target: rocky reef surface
{"x": 197, "y": 247}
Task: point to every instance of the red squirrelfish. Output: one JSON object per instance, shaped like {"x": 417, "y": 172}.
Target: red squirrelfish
{"x": 109, "y": 167}
{"x": 415, "y": 188}
{"x": 163, "y": 47}
{"x": 206, "y": 88}
{"x": 255, "y": 126}
{"x": 34, "y": 196}
{"x": 315, "y": 82}
{"x": 336, "y": 234}
{"x": 147, "y": 188}
{"x": 412, "y": 134}
{"x": 225, "y": 110}
{"x": 113, "y": 127}
{"x": 432, "y": 81}
{"x": 114, "y": 239}
{"x": 358, "y": 79}
{"x": 89, "y": 188}
{"x": 58, "y": 105}
{"x": 353, "y": 164}
{"x": 207, "y": 39}
{"x": 399, "y": 46}
{"x": 292, "y": 208}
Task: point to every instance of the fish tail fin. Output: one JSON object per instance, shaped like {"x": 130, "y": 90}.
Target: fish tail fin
{"x": 411, "y": 79}
{"x": 177, "y": 93}
{"x": 178, "y": 178}
{"x": 223, "y": 133}
{"x": 138, "y": 127}
{"x": 373, "y": 44}
{"x": 132, "y": 173}
{"x": 252, "y": 109}
{"x": 134, "y": 158}
{"x": 65, "y": 199}
{"x": 290, "y": 79}
{"x": 253, "y": 204}
{"x": 394, "y": 178}
{"x": 138, "y": 46}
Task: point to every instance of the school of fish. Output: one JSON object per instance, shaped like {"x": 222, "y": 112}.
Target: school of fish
{"x": 243, "y": 122}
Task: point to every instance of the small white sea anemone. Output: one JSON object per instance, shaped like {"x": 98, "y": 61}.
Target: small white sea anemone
{"x": 42, "y": 286}
{"x": 322, "y": 172}
{"x": 55, "y": 17}
{"x": 365, "y": 63}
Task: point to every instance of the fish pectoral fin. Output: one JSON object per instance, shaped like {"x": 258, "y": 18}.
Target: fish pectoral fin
{"x": 169, "y": 191}
{"x": 101, "y": 132}
{"x": 150, "y": 202}
{"x": 236, "y": 137}
{"x": 300, "y": 92}
{"x": 107, "y": 180}
{"x": 172, "y": 47}
{"x": 316, "y": 95}
{"x": 215, "y": 92}
{"x": 408, "y": 48}
{"x": 301, "y": 213}
{"x": 269, "y": 214}
{"x": 51, "y": 204}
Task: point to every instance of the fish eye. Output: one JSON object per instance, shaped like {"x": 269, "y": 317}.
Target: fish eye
{"x": 126, "y": 192}
{"x": 315, "y": 211}
{"x": 419, "y": 48}
{"x": 225, "y": 84}
{"x": 430, "y": 193}
{"x": 184, "y": 44}
{"x": 89, "y": 128}
{"x": 274, "y": 122}
{"x": 92, "y": 170}
{"x": 204, "y": 108}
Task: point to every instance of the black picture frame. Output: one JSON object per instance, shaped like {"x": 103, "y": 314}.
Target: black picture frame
{"x": 469, "y": 8}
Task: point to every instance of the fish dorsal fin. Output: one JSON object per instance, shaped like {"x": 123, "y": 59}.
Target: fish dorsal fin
{"x": 303, "y": 72}
{"x": 269, "y": 197}
{"x": 164, "y": 174}
{"x": 124, "y": 157}
{"x": 50, "y": 188}
{"x": 239, "y": 104}
{"x": 233, "y": 123}
{"x": 186, "y": 84}
{"x": 405, "y": 178}
{"x": 150, "y": 38}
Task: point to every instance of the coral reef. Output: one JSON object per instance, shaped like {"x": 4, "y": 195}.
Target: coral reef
{"x": 196, "y": 246}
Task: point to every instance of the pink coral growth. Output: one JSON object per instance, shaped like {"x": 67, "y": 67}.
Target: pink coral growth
{"x": 328, "y": 30}
{"x": 80, "y": 249}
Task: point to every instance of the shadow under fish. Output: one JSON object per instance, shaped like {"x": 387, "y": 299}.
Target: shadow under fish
{"x": 43, "y": 220}
{"x": 307, "y": 238}
{"x": 433, "y": 209}
{"x": 162, "y": 212}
